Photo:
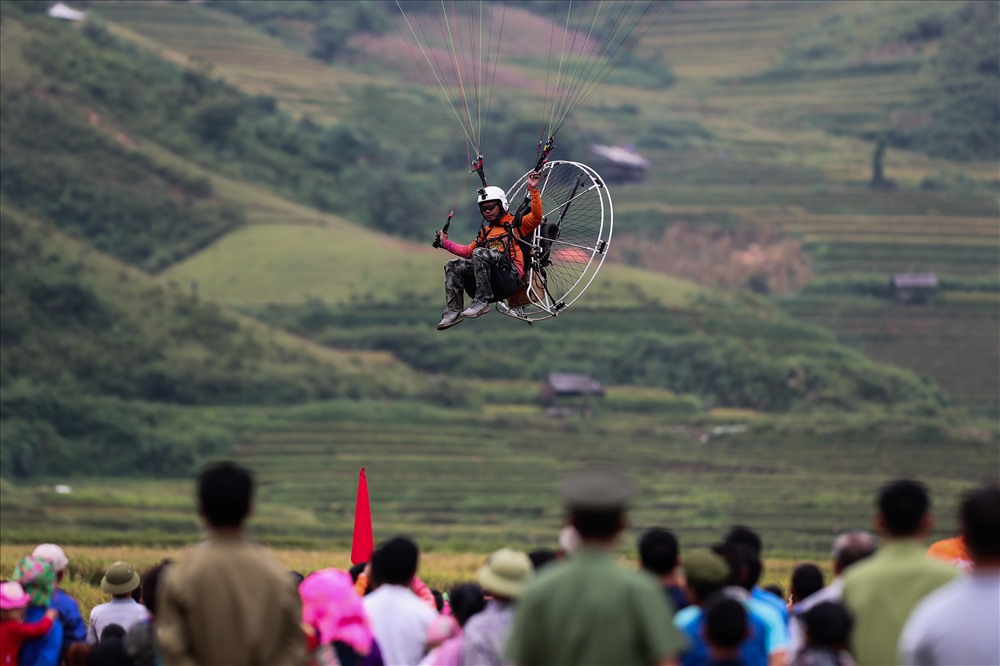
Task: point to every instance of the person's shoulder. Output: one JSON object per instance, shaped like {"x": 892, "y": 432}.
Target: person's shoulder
{"x": 858, "y": 573}
{"x": 687, "y": 618}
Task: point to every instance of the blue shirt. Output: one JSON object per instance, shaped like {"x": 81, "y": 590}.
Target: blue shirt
{"x": 753, "y": 651}
{"x": 760, "y": 594}
{"x": 42, "y": 651}
{"x": 73, "y": 625}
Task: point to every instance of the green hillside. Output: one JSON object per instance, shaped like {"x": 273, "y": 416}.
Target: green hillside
{"x": 764, "y": 143}
{"x": 216, "y": 241}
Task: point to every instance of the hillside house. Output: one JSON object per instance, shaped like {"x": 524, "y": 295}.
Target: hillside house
{"x": 566, "y": 394}
{"x": 61, "y": 11}
{"x": 914, "y": 288}
{"x": 619, "y": 164}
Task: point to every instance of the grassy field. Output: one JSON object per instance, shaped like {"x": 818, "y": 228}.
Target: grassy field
{"x": 470, "y": 482}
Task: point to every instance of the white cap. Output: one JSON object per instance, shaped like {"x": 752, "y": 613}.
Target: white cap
{"x": 52, "y": 554}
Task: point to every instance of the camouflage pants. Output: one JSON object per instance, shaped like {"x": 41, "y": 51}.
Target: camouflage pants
{"x": 488, "y": 275}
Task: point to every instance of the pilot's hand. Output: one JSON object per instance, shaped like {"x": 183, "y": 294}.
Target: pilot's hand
{"x": 533, "y": 179}
{"x": 442, "y": 235}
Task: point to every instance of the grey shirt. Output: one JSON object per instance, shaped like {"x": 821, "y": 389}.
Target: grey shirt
{"x": 123, "y": 612}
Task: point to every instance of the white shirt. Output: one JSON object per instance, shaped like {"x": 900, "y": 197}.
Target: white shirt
{"x": 796, "y": 628}
{"x": 955, "y": 624}
{"x": 123, "y": 612}
{"x": 400, "y": 620}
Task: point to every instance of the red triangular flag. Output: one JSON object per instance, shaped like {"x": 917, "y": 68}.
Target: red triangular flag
{"x": 363, "y": 543}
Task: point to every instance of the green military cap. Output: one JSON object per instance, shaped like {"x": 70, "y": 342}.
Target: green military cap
{"x": 704, "y": 566}
{"x": 597, "y": 486}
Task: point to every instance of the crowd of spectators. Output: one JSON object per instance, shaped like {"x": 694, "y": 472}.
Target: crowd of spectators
{"x": 228, "y": 601}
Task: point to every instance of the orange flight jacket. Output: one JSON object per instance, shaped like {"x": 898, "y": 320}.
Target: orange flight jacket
{"x": 494, "y": 236}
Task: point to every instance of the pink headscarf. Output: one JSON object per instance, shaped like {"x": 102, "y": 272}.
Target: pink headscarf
{"x": 330, "y": 604}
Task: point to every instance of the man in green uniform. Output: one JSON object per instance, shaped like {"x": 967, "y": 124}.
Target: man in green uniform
{"x": 587, "y": 609}
{"x": 882, "y": 591}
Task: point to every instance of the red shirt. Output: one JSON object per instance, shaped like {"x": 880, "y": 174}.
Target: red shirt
{"x": 13, "y": 633}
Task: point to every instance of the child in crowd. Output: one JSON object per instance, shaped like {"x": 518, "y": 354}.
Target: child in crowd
{"x": 14, "y": 631}
{"x": 828, "y": 627}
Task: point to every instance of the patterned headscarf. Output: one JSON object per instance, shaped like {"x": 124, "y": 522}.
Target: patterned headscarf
{"x": 330, "y": 604}
{"x": 38, "y": 579}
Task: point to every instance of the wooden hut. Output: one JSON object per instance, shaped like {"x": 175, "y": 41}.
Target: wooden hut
{"x": 914, "y": 288}
{"x": 568, "y": 394}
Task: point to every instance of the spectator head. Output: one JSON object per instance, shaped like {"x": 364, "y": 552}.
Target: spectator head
{"x": 980, "y": 513}
{"x": 77, "y": 654}
{"x": 438, "y": 600}
{"x": 357, "y": 570}
{"x": 852, "y": 547}
{"x": 151, "y": 583}
{"x": 13, "y": 601}
{"x": 542, "y": 556}
{"x": 744, "y": 536}
{"x": 395, "y": 562}
{"x": 112, "y": 632}
{"x": 569, "y": 541}
{"x": 658, "y": 551}
{"x": 110, "y": 648}
{"x": 775, "y": 589}
{"x": 726, "y": 626}
{"x": 332, "y": 607}
{"x": 505, "y": 573}
{"x": 706, "y": 573}
{"x": 744, "y": 564}
{"x": 225, "y": 494}
{"x": 827, "y": 625}
{"x": 904, "y": 509}
{"x": 120, "y": 580}
{"x": 806, "y": 580}
{"x": 37, "y": 578}
{"x": 597, "y": 496}
{"x": 296, "y": 577}
{"x": 466, "y": 600}
{"x": 54, "y": 555}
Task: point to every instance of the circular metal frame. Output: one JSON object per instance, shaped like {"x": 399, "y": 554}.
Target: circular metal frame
{"x": 570, "y": 245}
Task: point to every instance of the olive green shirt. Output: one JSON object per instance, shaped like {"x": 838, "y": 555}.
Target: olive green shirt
{"x": 881, "y": 591}
{"x": 589, "y": 610}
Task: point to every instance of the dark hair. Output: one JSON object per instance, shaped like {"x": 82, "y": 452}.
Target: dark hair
{"x": 851, "y": 548}
{"x": 744, "y": 564}
{"x": 725, "y": 623}
{"x": 806, "y": 579}
{"x": 438, "y": 600}
{"x": 903, "y": 505}
{"x": 744, "y": 536}
{"x": 775, "y": 589}
{"x": 658, "y": 551}
{"x": 395, "y": 561}
{"x": 296, "y": 578}
{"x": 542, "y": 556}
{"x": 112, "y": 631}
{"x": 151, "y": 583}
{"x": 981, "y": 522}
{"x": 597, "y": 523}
{"x": 827, "y": 625}
{"x": 357, "y": 570}
{"x": 225, "y": 491}
{"x": 466, "y": 600}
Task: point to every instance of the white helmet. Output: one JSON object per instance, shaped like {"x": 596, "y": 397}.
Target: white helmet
{"x": 493, "y": 193}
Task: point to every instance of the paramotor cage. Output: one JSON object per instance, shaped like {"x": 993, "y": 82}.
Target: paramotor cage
{"x": 568, "y": 247}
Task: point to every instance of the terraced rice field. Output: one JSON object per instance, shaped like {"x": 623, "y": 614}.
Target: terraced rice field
{"x": 473, "y": 482}
{"x": 953, "y": 342}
